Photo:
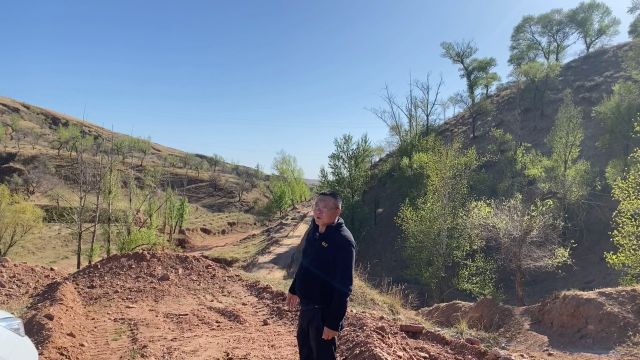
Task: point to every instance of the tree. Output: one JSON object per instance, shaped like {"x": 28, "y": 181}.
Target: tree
{"x": 527, "y": 237}
{"x": 557, "y": 29}
{"x": 432, "y": 225}
{"x": 289, "y": 179}
{"x": 143, "y": 146}
{"x": 410, "y": 120}
{"x": 349, "y": 171}
{"x": 562, "y": 174}
{"x": 536, "y": 75}
{"x": 67, "y": 137}
{"x": 543, "y": 37}
{"x": 625, "y": 235}
{"x": 634, "y": 27}
{"x": 215, "y": 161}
{"x": 476, "y": 72}
{"x": 594, "y": 23}
{"x": 18, "y": 220}
{"x": 617, "y": 113}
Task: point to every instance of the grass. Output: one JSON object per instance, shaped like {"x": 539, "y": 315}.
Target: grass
{"x": 240, "y": 252}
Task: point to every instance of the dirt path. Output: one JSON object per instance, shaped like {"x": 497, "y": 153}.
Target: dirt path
{"x": 275, "y": 261}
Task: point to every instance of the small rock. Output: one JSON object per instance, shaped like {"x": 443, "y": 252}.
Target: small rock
{"x": 71, "y": 334}
{"x": 265, "y": 322}
{"x": 494, "y": 354}
{"x": 48, "y": 316}
{"x": 505, "y": 357}
{"x": 3, "y": 285}
{"x": 165, "y": 277}
{"x": 84, "y": 344}
{"x": 130, "y": 306}
{"x": 472, "y": 341}
{"x": 4, "y": 260}
{"x": 411, "y": 328}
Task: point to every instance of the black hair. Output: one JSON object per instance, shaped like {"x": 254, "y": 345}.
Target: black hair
{"x": 334, "y": 195}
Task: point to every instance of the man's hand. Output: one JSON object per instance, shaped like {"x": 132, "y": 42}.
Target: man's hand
{"x": 328, "y": 334}
{"x": 292, "y": 301}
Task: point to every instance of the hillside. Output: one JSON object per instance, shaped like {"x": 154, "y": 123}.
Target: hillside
{"x": 590, "y": 78}
{"x": 37, "y": 163}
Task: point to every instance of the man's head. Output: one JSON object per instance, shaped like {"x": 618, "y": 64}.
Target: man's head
{"x": 327, "y": 208}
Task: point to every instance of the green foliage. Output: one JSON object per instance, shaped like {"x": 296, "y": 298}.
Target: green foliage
{"x": 617, "y": 113}
{"x": 475, "y": 71}
{"x": 349, "y": 172}
{"x": 478, "y": 276}
{"x": 143, "y": 238}
{"x": 594, "y": 23}
{"x": 433, "y": 225}
{"x": 626, "y": 223}
{"x": 561, "y": 173}
{"x": 543, "y": 37}
{"x": 634, "y": 27}
{"x": 67, "y": 137}
{"x": 527, "y": 237}
{"x": 504, "y": 178}
{"x": 287, "y": 182}
{"x": 18, "y": 220}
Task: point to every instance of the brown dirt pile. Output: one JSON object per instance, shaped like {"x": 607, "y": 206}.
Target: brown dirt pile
{"x": 486, "y": 314}
{"x": 159, "y": 306}
{"x": 376, "y": 338}
{"x": 173, "y": 306}
{"x": 19, "y": 282}
{"x": 596, "y": 320}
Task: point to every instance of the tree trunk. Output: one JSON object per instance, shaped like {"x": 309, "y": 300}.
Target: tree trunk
{"x": 519, "y": 287}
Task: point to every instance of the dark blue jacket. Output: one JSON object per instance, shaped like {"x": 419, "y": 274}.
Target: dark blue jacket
{"x": 325, "y": 275}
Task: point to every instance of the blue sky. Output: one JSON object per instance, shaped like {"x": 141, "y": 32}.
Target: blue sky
{"x": 244, "y": 79}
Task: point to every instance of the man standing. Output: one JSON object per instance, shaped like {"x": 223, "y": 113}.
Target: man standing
{"x": 323, "y": 281}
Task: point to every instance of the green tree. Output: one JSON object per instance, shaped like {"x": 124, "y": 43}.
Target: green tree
{"x": 142, "y": 146}
{"x": 349, "y": 171}
{"x": 626, "y": 222}
{"x": 291, "y": 176}
{"x": 562, "y": 173}
{"x": 18, "y": 220}
{"x": 536, "y": 76}
{"x": 432, "y": 224}
{"x": 594, "y": 23}
{"x": 617, "y": 113}
{"x": 504, "y": 177}
{"x": 543, "y": 37}
{"x": 477, "y": 73}
{"x": 67, "y": 138}
{"x": 634, "y": 27}
{"x": 527, "y": 237}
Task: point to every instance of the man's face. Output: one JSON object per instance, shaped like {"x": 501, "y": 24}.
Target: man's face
{"x": 325, "y": 211}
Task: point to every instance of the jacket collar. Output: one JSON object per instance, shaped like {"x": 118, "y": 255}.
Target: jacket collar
{"x": 330, "y": 228}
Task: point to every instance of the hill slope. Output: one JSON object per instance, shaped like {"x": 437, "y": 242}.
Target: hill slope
{"x": 590, "y": 78}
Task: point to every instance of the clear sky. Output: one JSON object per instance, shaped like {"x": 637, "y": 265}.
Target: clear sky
{"x": 244, "y": 79}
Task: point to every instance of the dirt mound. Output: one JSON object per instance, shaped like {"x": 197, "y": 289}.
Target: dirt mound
{"x": 486, "y": 314}
{"x": 19, "y": 282}
{"x": 56, "y": 322}
{"x": 376, "y": 338}
{"x": 162, "y": 306}
{"x": 596, "y": 320}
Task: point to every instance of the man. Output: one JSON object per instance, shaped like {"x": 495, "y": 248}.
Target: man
{"x": 323, "y": 281}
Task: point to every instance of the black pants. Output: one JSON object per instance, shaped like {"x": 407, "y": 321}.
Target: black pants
{"x": 311, "y": 345}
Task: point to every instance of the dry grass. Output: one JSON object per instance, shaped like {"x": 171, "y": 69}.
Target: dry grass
{"x": 240, "y": 252}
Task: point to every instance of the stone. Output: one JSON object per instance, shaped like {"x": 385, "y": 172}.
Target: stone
{"x": 472, "y": 341}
